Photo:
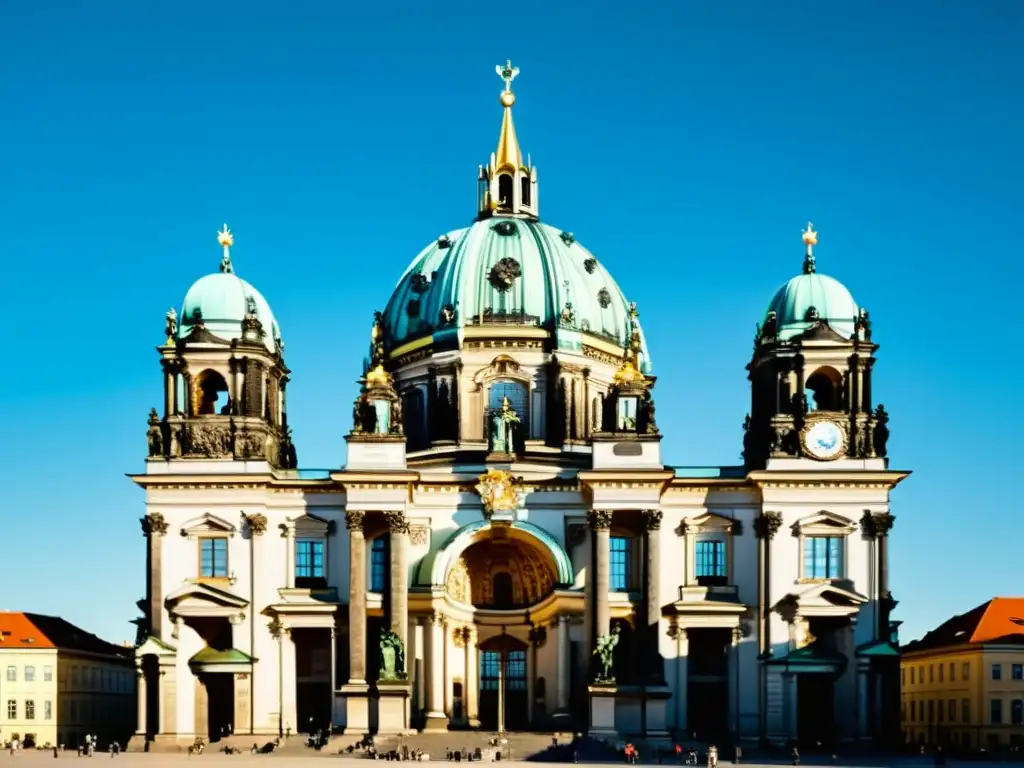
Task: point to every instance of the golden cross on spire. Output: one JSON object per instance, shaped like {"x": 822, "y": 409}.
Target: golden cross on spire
{"x": 810, "y": 238}
{"x": 226, "y": 239}
{"x": 508, "y": 73}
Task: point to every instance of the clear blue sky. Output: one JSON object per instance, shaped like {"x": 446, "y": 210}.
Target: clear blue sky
{"x": 685, "y": 144}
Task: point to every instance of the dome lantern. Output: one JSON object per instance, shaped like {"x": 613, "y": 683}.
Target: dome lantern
{"x": 506, "y": 185}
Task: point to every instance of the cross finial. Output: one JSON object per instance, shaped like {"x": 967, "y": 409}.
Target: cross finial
{"x": 508, "y": 73}
{"x": 226, "y": 239}
{"x": 810, "y": 238}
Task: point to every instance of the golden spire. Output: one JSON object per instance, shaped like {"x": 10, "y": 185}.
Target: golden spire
{"x": 226, "y": 239}
{"x": 810, "y": 238}
{"x": 508, "y": 155}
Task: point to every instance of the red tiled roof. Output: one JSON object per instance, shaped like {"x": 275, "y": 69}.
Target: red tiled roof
{"x": 34, "y": 630}
{"x": 1000, "y": 620}
{"x": 17, "y": 631}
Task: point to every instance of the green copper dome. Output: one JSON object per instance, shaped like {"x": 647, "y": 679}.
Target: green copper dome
{"x": 223, "y": 299}
{"x": 508, "y": 270}
{"x": 797, "y": 302}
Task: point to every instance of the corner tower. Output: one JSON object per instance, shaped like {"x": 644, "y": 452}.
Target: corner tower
{"x": 810, "y": 375}
{"x": 224, "y": 376}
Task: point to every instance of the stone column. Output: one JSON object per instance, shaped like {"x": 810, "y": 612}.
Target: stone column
{"x": 435, "y": 717}
{"x": 289, "y": 711}
{"x": 288, "y": 534}
{"x": 562, "y": 664}
{"x": 167, "y": 702}
{"x": 399, "y": 544}
{"x": 356, "y": 597}
{"x": 334, "y": 674}
{"x": 652, "y": 593}
{"x": 154, "y": 528}
{"x": 600, "y": 523}
{"x": 142, "y": 728}
{"x": 170, "y": 387}
{"x": 734, "y": 680}
{"x": 472, "y": 684}
{"x": 683, "y": 680}
{"x": 766, "y": 525}
{"x": 882, "y": 523}
{"x": 689, "y": 556}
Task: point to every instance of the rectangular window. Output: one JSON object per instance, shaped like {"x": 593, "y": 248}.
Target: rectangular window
{"x": 1017, "y": 671}
{"x": 309, "y": 563}
{"x": 995, "y": 712}
{"x": 931, "y": 673}
{"x": 903, "y": 676}
{"x": 965, "y": 711}
{"x": 940, "y": 711}
{"x": 952, "y": 672}
{"x": 952, "y": 710}
{"x": 30, "y": 674}
{"x": 997, "y": 671}
{"x": 12, "y": 709}
{"x": 942, "y": 671}
{"x": 379, "y": 565}
{"x": 912, "y": 679}
{"x": 823, "y": 557}
{"x": 74, "y": 678}
{"x": 47, "y": 710}
{"x": 709, "y": 562}
{"x": 12, "y": 674}
{"x": 1017, "y": 712}
{"x": 931, "y": 711}
{"x": 213, "y": 558}
{"x": 30, "y": 709}
{"x": 619, "y": 564}
{"x": 965, "y": 671}
{"x": 47, "y": 674}
{"x": 913, "y": 711}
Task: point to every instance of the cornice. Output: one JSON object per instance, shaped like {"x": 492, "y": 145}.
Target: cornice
{"x": 871, "y": 479}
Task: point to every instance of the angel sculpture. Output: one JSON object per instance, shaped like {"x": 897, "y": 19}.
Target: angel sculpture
{"x": 605, "y": 651}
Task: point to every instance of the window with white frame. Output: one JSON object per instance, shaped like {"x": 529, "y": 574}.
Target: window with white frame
{"x": 823, "y": 545}
{"x": 311, "y": 552}
{"x": 709, "y": 562}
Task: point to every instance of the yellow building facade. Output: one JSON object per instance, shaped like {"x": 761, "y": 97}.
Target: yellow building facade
{"x": 962, "y": 684}
{"x": 59, "y": 683}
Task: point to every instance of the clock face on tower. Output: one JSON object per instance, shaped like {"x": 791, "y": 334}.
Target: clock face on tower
{"x": 824, "y": 440}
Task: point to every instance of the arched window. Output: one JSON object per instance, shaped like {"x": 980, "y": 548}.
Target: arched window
{"x": 379, "y": 564}
{"x": 525, "y": 187}
{"x": 499, "y": 429}
{"x": 824, "y": 390}
{"x": 502, "y": 585}
{"x": 208, "y": 386}
{"x": 505, "y": 190}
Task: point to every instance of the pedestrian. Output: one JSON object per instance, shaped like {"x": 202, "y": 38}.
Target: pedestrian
{"x": 712, "y": 756}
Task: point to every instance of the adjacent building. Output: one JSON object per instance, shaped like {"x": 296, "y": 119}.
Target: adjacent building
{"x": 60, "y": 683}
{"x": 963, "y": 682}
{"x": 505, "y": 509}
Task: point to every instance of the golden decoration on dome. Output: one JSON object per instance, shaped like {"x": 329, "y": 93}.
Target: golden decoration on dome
{"x": 499, "y": 491}
{"x": 508, "y": 156}
{"x": 225, "y": 238}
{"x": 810, "y": 237}
{"x": 378, "y": 377}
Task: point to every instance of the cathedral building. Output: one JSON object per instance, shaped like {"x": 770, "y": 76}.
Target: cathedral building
{"x": 505, "y": 548}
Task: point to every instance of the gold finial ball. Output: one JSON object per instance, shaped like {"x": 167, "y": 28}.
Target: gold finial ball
{"x": 507, "y": 99}
{"x": 810, "y": 237}
{"x": 225, "y": 238}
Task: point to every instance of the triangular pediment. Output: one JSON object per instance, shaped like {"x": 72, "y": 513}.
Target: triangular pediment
{"x": 833, "y": 593}
{"x": 203, "y": 596}
{"x": 207, "y": 523}
{"x": 310, "y": 525}
{"x": 824, "y": 523}
{"x": 153, "y": 646}
{"x": 709, "y": 521}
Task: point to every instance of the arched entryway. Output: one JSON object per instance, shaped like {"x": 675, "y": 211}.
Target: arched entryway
{"x": 503, "y": 684}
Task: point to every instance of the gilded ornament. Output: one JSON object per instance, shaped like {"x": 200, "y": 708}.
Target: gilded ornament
{"x": 499, "y": 491}
{"x": 226, "y": 240}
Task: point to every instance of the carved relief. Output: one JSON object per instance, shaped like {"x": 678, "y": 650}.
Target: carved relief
{"x": 419, "y": 535}
{"x": 457, "y": 583}
{"x": 206, "y": 440}
{"x": 599, "y": 519}
{"x": 504, "y": 274}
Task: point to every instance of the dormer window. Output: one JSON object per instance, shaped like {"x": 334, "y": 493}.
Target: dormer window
{"x": 213, "y": 557}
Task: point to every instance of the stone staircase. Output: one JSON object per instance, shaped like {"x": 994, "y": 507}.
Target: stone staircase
{"x": 516, "y": 746}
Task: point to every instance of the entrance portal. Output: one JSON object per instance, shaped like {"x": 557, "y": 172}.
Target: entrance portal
{"x": 220, "y": 704}
{"x": 815, "y": 701}
{"x": 503, "y": 691}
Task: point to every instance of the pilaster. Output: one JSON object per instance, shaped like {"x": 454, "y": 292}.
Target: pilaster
{"x": 600, "y": 523}
{"x": 655, "y": 667}
{"x": 436, "y": 720}
{"x": 356, "y": 691}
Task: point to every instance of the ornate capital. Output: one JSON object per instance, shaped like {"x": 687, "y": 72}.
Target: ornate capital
{"x": 438, "y": 619}
{"x": 652, "y": 519}
{"x": 278, "y": 629}
{"x": 599, "y": 519}
{"x": 767, "y": 524}
{"x": 257, "y": 523}
{"x": 153, "y": 524}
{"x": 396, "y": 522}
{"x": 354, "y": 520}
{"x": 877, "y": 524}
